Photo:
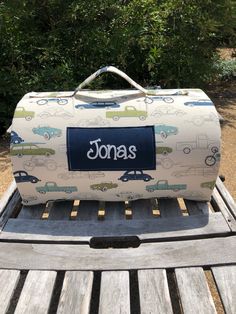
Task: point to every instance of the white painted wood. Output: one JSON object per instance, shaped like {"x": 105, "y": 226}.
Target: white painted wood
{"x": 60, "y": 210}
{"x": 31, "y": 212}
{"x": 88, "y": 210}
{"x": 169, "y": 207}
{"x": 141, "y": 209}
{"x": 153, "y": 292}
{"x": 7, "y": 196}
{"x": 197, "y": 208}
{"x": 76, "y": 293}
{"x": 215, "y": 251}
{"x": 194, "y": 291}
{"x": 9, "y": 209}
{"x": 225, "y": 277}
{"x": 114, "y": 294}
{"x": 36, "y": 293}
{"x": 150, "y": 229}
{"x": 8, "y": 283}
{"x": 226, "y": 196}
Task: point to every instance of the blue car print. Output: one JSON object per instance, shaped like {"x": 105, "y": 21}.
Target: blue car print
{"x": 98, "y": 104}
{"x": 166, "y": 99}
{"x": 47, "y": 132}
{"x": 202, "y": 102}
{"x": 22, "y": 176}
{"x": 15, "y": 138}
{"x": 135, "y": 175}
{"x": 165, "y": 130}
{"x": 59, "y": 101}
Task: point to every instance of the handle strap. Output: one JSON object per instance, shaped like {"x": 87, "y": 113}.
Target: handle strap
{"x": 110, "y": 69}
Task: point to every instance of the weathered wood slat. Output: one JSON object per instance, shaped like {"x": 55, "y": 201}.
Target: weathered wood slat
{"x": 142, "y": 209}
{"x": 194, "y": 292}
{"x": 151, "y": 229}
{"x": 218, "y": 201}
{"x": 9, "y": 209}
{"x": 60, "y": 210}
{"x": 226, "y": 196}
{"x": 31, "y": 212}
{"x": 197, "y": 208}
{"x": 225, "y": 277}
{"x": 169, "y": 207}
{"x": 88, "y": 210}
{"x": 114, "y": 294}
{"x": 153, "y": 292}
{"x": 7, "y": 196}
{"x": 36, "y": 293}
{"x": 76, "y": 293}
{"x": 212, "y": 252}
{"x": 8, "y": 282}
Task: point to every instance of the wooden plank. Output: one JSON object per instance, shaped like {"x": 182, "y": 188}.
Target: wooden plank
{"x": 169, "y": 207}
{"x": 197, "y": 208}
{"x": 7, "y": 196}
{"x": 225, "y": 277}
{"x": 220, "y": 204}
{"x": 10, "y": 208}
{"x": 150, "y": 229}
{"x": 76, "y": 293}
{"x": 142, "y": 209}
{"x": 216, "y": 251}
{"x": 114, "y": 294}
{"x": 31, "y": 212}
{"x": 226, "y": 196}
{"x": 60, "y": 210}
{"x": 88, "y": 210}
{"x": 194, "y": 291}
{"x": 8, "y": 283}
{"x": 153, "y": 292}
{"x": 36, "y": 293}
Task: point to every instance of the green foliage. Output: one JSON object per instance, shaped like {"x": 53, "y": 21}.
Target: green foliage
{"x": 49, "y": 45}
{"x": 225, "y": 69}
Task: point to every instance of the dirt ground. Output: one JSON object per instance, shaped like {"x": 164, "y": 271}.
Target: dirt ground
{"x": 224, "y": 97}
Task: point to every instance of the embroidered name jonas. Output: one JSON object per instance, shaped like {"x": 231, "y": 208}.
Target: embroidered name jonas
{"x": 110, "y": 151}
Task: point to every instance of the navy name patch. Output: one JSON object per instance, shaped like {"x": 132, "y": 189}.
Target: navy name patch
{"x": 115, "y": 148}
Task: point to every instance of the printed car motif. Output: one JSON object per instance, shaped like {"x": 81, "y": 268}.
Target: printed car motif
{"x": 20, "y": 112}
{"x": 166, "y": 163}
{"x": 164, "y": 185}
{"x": 212, "y": 159}
{"x": 59, "y": 101}
{"x": 98, "y": 105}
{"x": 201, "y": 102}
{"x": 202, "y": 142}
{"x": 128, "y": 112}
{"x": 36, "y": 161}
{"x": 135, "y": 175}
{"x": 165, "y": 130}
{"x": 15, "y": 138}
{"x": 47, "y": 132}
{"x": 163, "y": 150}
{"x": 168, "y": 111}
{"x": 104, "y": 186}
{"x": 22, "y": 149}
{"x": 98, "y": 121}
{"x": 22, "y": 176}
{"x": 167, "y": 99}
{"x": 209, "y": 185}
{"x": 81, "y": 174}
{"x": 55, "y": 112}
{"x": 28, "y": 198}
{"x": 53, "y": 187}
{"x": 194, "y": 171}
{"x": 201, "y": 119}
{"x": 129, "y": 195}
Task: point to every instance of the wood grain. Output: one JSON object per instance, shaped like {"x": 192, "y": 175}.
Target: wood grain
{"x": 194, "y": 292}
{"x": 114, "y": 294}
{"x": 226, "y": 196}
{"x": 197, "y": 208}
{"x": 9, "y": 209}
{"x": 153, "y": 291}
{"x": 76, "y": 293}
{"x": 225, "y": 277}
{"x": 8, "y": 283}
{"x": 169, "y": 207}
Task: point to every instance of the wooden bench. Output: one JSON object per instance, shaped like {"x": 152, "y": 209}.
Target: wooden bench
{"x": 146, "y": 256}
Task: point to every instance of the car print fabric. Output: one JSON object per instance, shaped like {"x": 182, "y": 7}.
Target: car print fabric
{"x": 185, "y": 145}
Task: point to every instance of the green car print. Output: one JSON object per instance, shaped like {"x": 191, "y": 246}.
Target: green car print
{"x": 165, "y": 130}
{"x": 164, "y": 185}
{"x": 208, "y": 185}
{"x": 128, "y": 112}
{"x": 53, "y": 187}
{"x": 22, "y": 149}
{"x": 104, "y": 186}
{"x": 20, "y": 112}
{"x": 163, "y": 150}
